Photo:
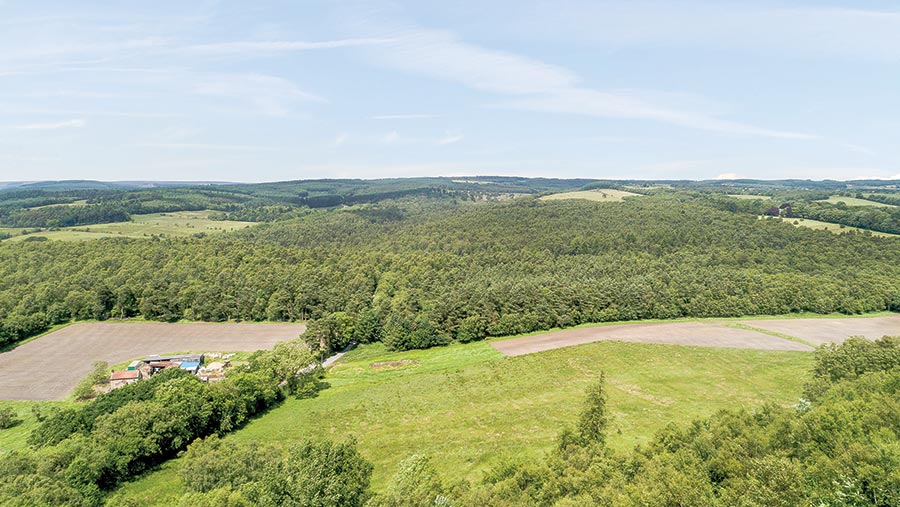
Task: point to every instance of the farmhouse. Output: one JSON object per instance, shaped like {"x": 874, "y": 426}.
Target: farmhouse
{"x": 121, "y": 378}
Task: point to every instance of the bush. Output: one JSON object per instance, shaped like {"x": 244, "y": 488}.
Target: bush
{"x": 8, "y": 418}
{"x": 99, "y": 374}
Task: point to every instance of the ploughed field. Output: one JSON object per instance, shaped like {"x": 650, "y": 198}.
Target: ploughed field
{"x": 49, "y": 367}
{"x": 771, "y": 334}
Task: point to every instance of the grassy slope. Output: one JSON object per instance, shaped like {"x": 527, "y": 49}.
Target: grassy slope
{"x": 469, "y": 407}
{"x": 180, "y": 223}
{"x": 14, "y": 438}
{"x": 853, "y": 201}
{"x": 602, "y": 195}
{"x": 833, "y": 228}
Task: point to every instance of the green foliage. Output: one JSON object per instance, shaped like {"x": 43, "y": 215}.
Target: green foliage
{"x": 850, "y": 360}
{"x": 8, "y": 418}
{"x": 593, "y": 420}
{"x": 315, "y": 474}
{"x": 99, "y": 374}
{"x": 210, "y": 464}
{"x": 416, "y": 484}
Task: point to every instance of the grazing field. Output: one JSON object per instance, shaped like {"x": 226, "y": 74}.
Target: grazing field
{"x": 469, "y": 407}
{"x": 703, "y": 334}
{"x": 173, "y": 224}
{"x": 49, "y": 367}
{"x": 749, "y": 196}
{"x": 600, "y": 194}
{"x": 833, "y": 228}
{"x": 12, "y": 439}
{"x": 853, "y": 201}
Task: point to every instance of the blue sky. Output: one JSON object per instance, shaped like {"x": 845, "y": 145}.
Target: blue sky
{"x": 266, "y": 91}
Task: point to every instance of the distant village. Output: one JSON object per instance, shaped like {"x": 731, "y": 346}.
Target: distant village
{"x": 149, "y": 366}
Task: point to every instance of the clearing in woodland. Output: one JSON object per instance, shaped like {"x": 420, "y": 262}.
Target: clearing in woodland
{"x": 599, "y": 194}
{"x": 172, "y": 224}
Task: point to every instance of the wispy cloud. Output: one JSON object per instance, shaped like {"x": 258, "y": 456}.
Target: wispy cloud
{"x": 53, "y": 126}
{"x": 391, "y": 137}
{"x": 450, "y": 138}
{"x": 807, "y": 30}
{"x": 404, "y": 116}
{"x": 269, "y": 95}
{"x": 858, "y": 148}
{"x": 339, "y": 140}
{"x": 246, "y": 47}
{"x": 538, "y": 86}
{"x": 208, "y": 146}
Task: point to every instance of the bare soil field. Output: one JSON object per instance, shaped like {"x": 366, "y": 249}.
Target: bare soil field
{"x": 819, "y": 331}
{"x": 51, "y": 366}
{"x": 704, "y": 334}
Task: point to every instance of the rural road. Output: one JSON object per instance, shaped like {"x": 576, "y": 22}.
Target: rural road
{"x": 814, "y": 331}
{"x": 51, "y": 366}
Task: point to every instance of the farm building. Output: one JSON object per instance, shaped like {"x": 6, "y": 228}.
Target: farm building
{"x": 191, "y": 366}
{"x": 121, "y": 378}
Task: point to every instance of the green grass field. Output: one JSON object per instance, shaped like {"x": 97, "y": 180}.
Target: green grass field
{"x": 172, "y": 224}
{"x": 833, "y": 228}
{"x": 12, "y": 439}
{"x": 468, "y": 407}
{"x": 749, "y": 196}
{"x": 853, "y": 201}
{"x": 600, "y": 195}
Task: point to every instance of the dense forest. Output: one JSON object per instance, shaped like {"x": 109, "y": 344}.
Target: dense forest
{"x": 417, "y": 273}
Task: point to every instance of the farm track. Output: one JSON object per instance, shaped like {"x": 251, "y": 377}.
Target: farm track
{"x": 50, "y": 367}
{"x": 815, "y": 331}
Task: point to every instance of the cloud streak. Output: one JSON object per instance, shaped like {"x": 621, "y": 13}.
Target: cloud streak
{"x": 537, "y": 86}
{"x": 53, "y": 126}
{"x": 248, "y": 47}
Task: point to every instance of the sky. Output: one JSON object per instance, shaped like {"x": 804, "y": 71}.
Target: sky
{"x": 270, "y": 91}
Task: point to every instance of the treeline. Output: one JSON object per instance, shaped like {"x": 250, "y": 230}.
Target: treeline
{"x": 458, "y": 272}
{"x": 66, "y": 215}
{"x": 80, "y": 454}
{"x": 839, "y": 446}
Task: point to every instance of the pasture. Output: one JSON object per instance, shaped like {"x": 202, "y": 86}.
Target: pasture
{"x": 171, "y": 224}
{"x": 833, "y": 228}
{"x": 599, "y": 195}
{"x": 853, "y": 201}
{"x": 469, "y": 407}
{"x": 749, "y": 196}
{"x": 48, "y": 368}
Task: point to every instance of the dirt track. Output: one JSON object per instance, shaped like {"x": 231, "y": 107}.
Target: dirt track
{"x": 704, "y": 334}
{"x": 51, "y": 366}
{"x": 819, "y": 331}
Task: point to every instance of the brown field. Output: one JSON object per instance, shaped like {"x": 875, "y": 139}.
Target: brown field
{"x": 51, "y": 366}
{"x": 704, "y": 334}
{"x": 819, "y": 331}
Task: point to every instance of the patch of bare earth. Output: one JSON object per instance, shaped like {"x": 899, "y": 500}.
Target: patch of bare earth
{"x": 819, "y": 331}
{"x": 50, "y": 367}
{"x": 702, "y": 334}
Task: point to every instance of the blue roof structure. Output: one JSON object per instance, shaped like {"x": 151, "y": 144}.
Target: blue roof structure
{"x": 190, "y": 365}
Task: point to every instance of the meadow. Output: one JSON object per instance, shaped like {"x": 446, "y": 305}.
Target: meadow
{"x": 171, "y": 224}
{"x": 853, "y": 201}
{"x": 600, "y": 195}
{"x": 469, "y": 407}
{"x": 834, "y": 228}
